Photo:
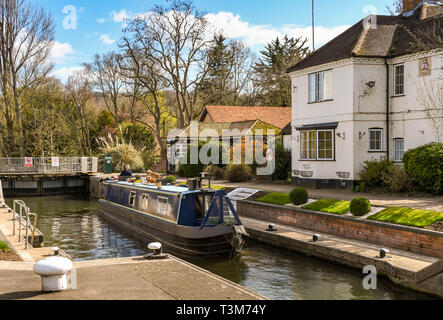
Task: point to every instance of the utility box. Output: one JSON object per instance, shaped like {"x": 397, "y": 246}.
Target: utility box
{"x": 108, "y": 165}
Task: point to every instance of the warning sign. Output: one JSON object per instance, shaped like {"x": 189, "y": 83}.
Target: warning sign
{"x": 28, "y": 162}
{"x": 270, "y": 155}
{"x": 55, "y": 162}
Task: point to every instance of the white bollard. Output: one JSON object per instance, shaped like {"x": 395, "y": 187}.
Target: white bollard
{"x": 53, "y": 271}
{"x": 156, "y": 247}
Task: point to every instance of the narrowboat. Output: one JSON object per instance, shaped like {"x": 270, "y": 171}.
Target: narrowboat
{"x": 192, "y": 221}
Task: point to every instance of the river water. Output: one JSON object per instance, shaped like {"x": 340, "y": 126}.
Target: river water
{"x": 73, "y": 224}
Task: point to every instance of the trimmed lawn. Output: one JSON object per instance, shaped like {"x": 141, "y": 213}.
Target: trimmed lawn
{"x": 275, "y": 198}
{"x": 408, "y": 217}
{"x": 330, "y": 206}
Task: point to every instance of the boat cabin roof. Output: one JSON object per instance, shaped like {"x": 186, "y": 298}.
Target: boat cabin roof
{"x": 153, "y": 187}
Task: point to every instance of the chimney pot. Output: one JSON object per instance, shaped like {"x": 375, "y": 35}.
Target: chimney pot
{"x": 409, "y": 5}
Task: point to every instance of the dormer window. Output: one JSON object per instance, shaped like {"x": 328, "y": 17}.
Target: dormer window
{"x": 399, "y": 80}
{"x": 320, "y": 86}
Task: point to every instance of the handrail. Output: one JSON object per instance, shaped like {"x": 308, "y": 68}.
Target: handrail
{"x": 49, "y": 165}
{"x": 18, "y": 215}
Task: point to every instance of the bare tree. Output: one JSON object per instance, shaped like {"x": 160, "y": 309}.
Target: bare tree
{"x": 26, "y": 37}
{"x": 139, "y": 67}
{"x": 108, "y": 80}
{"x": 176, "y": 38}
{"x": 229, "y": 72}
{"x": 395, "y": 8}
{"x": 79, "y": 92}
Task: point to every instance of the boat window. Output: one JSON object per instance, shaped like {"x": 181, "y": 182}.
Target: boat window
{"x": 163, "y": 206}
{"x": 132, "y": 197}
{"x": 145, "y": 201}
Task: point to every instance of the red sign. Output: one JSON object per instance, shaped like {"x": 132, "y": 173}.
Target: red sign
{"x": 28, "y": 162}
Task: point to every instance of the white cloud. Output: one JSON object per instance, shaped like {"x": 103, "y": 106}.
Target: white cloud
{"x": 120, "y": 16}
{"x": 60, "y": 51}
{"x": 102, "y": 20}
{"x": 64, "y": 73}
{"x": 258, "y": 35}
{"x": 106, "y": 39}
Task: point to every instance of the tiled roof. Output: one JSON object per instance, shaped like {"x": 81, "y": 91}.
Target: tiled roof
{"x": 391, "y": 38}
{"x": 278, "y": 117}
{"x": 233, "y": 129}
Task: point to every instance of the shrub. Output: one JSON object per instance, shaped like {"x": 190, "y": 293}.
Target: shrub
{"x": 360, "y": 206}
{"x": 425, "y": 166}
{"x": 371, "y": 175}
{"x": 220, "y": 173}
{"x": 194, "y": 170}
{"x": 396, "y": 179}
{"x": 3, "y": 246}
{"x": 122, "y": 153}
{"x": 238, "y": 173}
{"x": 299, "y": 196}
{"x": 283, "y": 162}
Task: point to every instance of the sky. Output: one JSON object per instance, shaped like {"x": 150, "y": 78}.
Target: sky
{"x": 99, "y": 23}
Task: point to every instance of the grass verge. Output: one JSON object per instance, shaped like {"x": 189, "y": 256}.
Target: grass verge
{"x": 408, "y": 217}
{"x": 276, "y": 198}
{"x": 329, "y": 206}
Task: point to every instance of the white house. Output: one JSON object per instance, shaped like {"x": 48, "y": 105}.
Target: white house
{"x": 373, "y": 92}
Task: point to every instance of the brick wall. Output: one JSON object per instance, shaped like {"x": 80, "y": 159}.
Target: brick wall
{"x": 388, "y": 235}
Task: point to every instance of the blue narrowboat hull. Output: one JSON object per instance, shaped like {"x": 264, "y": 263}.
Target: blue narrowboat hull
{"x": 168, "y": 217}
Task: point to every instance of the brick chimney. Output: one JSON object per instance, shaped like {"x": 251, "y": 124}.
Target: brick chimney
{"x": 409, "y": 5}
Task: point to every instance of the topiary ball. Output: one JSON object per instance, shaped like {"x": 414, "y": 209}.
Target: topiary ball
{"x": 360, "y": 206}
{"x": 299, "y": 196}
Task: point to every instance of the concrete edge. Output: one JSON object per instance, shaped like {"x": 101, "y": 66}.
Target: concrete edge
{"x": 351, "y": 219}
{"x": 136, "y": 260}
{"x": 237, "y": 286}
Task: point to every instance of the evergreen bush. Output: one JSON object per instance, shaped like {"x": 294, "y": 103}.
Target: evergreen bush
{"x": 299, "y": 196}
{"x": 360, "y": 206}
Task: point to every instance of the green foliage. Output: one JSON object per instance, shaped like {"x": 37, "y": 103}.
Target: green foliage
{"x": 238, "y": 173}
{"x": 143, "y": 140}
{"x": 329, "y": 206}
{"x": 396, "y": 179}
{"x": 372, "y": 173}
{"x": 283, "y": 162}
{"x": 122, "y": 153}
{"x": 360, "y": 206}
{"x": 194, "y": 170}
{"x": 276, "y": 198}
{"x": 408, "y": 217}
{"x": 3, "y": 246}
{"x": 425, "y": 166}
{"x": 298, "y": 196}
{"x": 271, "y": 69}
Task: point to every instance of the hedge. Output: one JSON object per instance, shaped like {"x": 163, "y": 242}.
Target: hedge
{"x": 425, "y": 166}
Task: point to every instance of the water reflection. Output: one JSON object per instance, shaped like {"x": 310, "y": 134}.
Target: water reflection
{"x": 73, "y": 224}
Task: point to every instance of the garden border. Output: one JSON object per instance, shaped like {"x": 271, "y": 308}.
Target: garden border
{"x": 406, "y": 238}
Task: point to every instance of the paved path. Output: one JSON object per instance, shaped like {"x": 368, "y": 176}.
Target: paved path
{"x": 384, "y": 200}
{"x": 125, "y": 279}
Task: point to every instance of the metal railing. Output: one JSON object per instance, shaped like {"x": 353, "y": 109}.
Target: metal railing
{"x": 48, "y": 165}
{"x": 22, "y": 218}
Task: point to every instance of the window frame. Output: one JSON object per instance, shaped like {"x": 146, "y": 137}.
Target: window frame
{"x": 398, "y": 85}
{"x": 320, "y": 88}
{"x": 145, "y": 200}
{"x": 132, "y": 196}
{"x": 396, "y": 151}
{"x": 159, "y": 203}
{"x": 332, "y": 144}
{"x": 381, "y": 139}
{"x": 315, "y": 140}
